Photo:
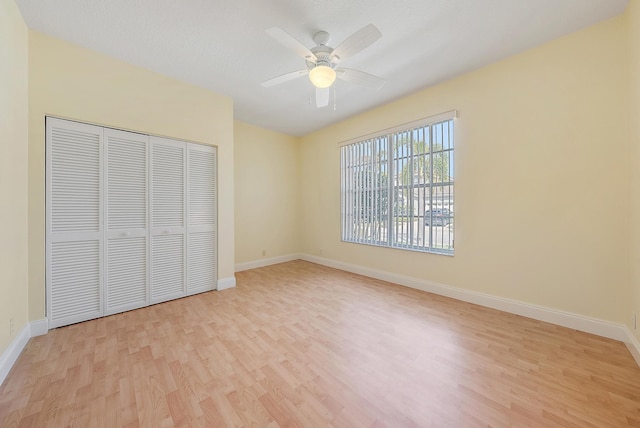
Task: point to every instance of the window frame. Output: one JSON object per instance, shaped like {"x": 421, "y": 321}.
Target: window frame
{"x": 376, "y": 156}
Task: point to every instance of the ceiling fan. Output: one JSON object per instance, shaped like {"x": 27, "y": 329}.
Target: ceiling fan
{"x": 322, "y": 60}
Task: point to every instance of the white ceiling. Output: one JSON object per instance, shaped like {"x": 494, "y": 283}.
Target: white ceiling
{"x": 221, "y": 45}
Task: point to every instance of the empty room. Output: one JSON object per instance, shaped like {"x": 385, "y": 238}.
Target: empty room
{"x": 422, "y": 213}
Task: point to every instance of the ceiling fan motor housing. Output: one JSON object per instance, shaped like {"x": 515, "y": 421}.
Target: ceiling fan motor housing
{"x": 322, "y": 60}
{"x": 323, "y": 57}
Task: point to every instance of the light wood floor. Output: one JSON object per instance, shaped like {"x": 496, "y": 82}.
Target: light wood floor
{"x": 298, "y": 344}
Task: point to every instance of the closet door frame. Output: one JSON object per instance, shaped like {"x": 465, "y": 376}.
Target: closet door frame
{"x": 104, "y": 234}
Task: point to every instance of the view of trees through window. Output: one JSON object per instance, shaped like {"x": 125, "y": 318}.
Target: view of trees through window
{"x": 397, "y": 189}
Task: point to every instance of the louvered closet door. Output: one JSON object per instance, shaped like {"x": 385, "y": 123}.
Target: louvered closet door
{"x": 73, "y": 216}
{"x": 168, "y": 161}
{"x": 127, "y": 270}
{"x": 201, "y": 219}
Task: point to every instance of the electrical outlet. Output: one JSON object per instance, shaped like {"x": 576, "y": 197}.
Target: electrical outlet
{"x": 264, "y": 253}
{"x": 12, "y": 326}
{"x": 320, "y": 252}
{"x": 635, "y": 321}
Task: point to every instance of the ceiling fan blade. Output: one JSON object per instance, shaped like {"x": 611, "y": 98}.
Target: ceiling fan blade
{"x": 356, "y": 42}
{"x": 284, "y": 78}
{"x": 322, "y": 97}
{"x": 288, "y": 41}
{"x": 360, "y": 78}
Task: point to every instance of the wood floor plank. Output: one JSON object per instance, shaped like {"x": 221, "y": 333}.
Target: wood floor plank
{"x": 298, "y": 344}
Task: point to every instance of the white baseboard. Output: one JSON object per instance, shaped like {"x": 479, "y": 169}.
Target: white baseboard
{"x": 11, "y": 354}
{"x": 39, "y": 327}
{"x": 565, "y": 319}
{"x": 225, "y": 283}
{"x": 632, "y": 343}
{"x": 266, "y": 262}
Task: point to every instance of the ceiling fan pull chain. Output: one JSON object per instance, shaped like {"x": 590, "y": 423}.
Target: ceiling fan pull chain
{"x": 334, "y": 96}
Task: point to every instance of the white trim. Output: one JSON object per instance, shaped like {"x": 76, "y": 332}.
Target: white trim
{"x": 632, "y": 344}
{"x": 266, "y": 262}
{"x": 39, "y": 327}
{"x": 11, "y": 354}
{"x": 448, "y": 115}
{"x": 15, "y": 348}
{"x": 225, "y": 283}
{"x": 565, "y": 319}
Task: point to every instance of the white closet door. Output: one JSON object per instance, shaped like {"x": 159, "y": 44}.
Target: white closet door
{"x": 127, "y": 267}
{"x": 74, "y": 222}
{"x": 168, "y": 161}
{"x": 201, "y": 219}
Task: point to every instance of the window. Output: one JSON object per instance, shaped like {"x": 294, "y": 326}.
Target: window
{"x": 397, "y": 187}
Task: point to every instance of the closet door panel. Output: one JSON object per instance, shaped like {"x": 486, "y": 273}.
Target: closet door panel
{"x": 201, "y": 218}
{"x": 168, "y": 267}
{"x": 202, "y": 268}
{"x": 74, "y": 222}
{"x": 127, "y": 266}
{"x": 126, "y": 284}
{"x": 168, "y": 243}
{"x": 74, "y": 282}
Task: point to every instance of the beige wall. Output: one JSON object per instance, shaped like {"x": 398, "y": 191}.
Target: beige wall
{"x": 633, "y": 17}
{"x": 266, "y": 193}
{"x": 72, "y": 82}
{"x": 542, "y": 213}
{"x": 13, "y": 171}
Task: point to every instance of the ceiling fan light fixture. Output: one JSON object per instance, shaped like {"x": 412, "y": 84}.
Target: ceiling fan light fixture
{"x": 322, "y": 76}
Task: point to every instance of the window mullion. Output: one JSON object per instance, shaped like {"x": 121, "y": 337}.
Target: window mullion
{"x": 410, "y": 189}
{"x": 358, "y": 190}
{"x": 342, "y": 190}
{"x": 370, "y": 187}
{"x": 390, "y": 191}
{"x": 431, "y": 136}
